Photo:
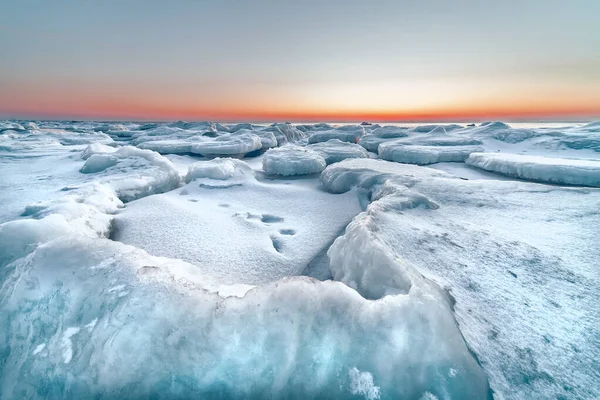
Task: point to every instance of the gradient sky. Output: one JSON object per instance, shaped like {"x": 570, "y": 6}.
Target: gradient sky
{"x": 304, "y": 60}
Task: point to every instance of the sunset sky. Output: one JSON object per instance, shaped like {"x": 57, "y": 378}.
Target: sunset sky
{"x": 307, "y": 60}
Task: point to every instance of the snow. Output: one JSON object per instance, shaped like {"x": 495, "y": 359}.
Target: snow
{"x": 538, "y": 168}
{"x": 267, "y": 230}
{"x": 293, "y": 160}
{"x": 523, "y": 294}
{"x": 275, "y": 276}
{"x": 422, "y": 155}
{"x": 335, "y": 150}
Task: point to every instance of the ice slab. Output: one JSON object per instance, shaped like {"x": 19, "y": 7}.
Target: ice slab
{"x": 422, "y": 155}
{"x": 293, "y": 160}
{"x": 335, "y": 150}
{"x": 539, "y": 168}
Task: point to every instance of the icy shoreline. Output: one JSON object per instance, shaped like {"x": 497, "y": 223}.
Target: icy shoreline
{"x": 125, "y": 321}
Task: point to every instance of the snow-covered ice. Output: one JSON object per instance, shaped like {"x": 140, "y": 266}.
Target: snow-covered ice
{"x": 423, "y": 155}
{"x": 132, "y": 266}
{"x": 335, "y": 150}
{"x": 293, "y": 160}
{"x": 539, "y": 168}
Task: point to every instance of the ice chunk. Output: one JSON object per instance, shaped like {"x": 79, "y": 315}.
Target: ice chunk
{"x": 267, "y": 138}
{"x": 219, "y": 169}
{"x": 98, "y": 162}
{"x": 132, "y": 172}
{"x": 293, "y": 160}
{"x": 422, "y": 155}
{"x": 335, "y": 150}
{"x": 174, "y": 146}
{"x": 436, "y": 128}
{"x": 228, "y": 145}
{"x": 285, "y": 133}
{"x": 348, "y": 133}
{"x": 539, "y": 168}
{"x": 96, "y": 148}
{"x": 372, "y": 141}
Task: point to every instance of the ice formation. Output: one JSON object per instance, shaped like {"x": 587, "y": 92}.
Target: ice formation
{"x": 228, "y": 145}
{"x": 423, "y": 155}
{"x": 293, "y": 160}
{"x": 538, "y": 168}
{"x": 130, "y": 274}
{"x": 335, "y": 150}
{"x": 348, "y": 133}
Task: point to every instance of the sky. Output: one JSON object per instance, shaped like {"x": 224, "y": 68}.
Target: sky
{"x": 278, "y": 60}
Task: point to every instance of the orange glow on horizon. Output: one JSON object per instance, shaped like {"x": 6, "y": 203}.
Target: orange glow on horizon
{"x": 112, "y": 111}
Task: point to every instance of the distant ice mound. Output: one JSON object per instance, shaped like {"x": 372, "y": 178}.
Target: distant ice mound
{"x": 348, "y": 133}
{"x": 335, "y": 150}
{"x": 539, "y": 168}
{"x": 221, "y": 169}
{"x": 228, "y": 145}
{"x": 173, "y": 146}
{"x": 285, "y": 133}
{"x": 436, "y": 128}
{"x": 267, "y": 138}
{"x": 423, "y": 155}
{"x": 293, "y": 160}
{"x": 382, "y": 134}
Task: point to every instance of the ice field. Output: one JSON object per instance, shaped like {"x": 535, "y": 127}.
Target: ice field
{"x": 291, "y": 261}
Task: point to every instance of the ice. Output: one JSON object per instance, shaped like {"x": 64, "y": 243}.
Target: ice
{"x": 517, "y": 262}
{"x": 175, "y": 146}
{"x": 539, "y": 168}
{"x": 220, "y": 169}
{"x": 266, "y": 230}
{"x": 422, "y": 155}
{"x": 296, "y": 338}
{"x": 132, "y": 172}
{"x": 436, "y": 128}
{"x": 97, "y": 148}
{"x": 228, "y": 145}
{"x": 347, "y": 133}
{"x": 335, "y": 150}
{"x": 362, "y": 384}
{"x": 293, "y": 160}
{"x": 267, "y": 138}
{"x": 372, "y": 279}
{"x": 285, "y": 133}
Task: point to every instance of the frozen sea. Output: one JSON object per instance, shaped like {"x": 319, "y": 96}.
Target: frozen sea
{"x": 200, "y": 260}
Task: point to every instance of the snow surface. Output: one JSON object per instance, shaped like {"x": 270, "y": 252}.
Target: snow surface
{"x": 539, "y": 168}
{"x": 523, "y": 281}
{"x": 129, "y": 274}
